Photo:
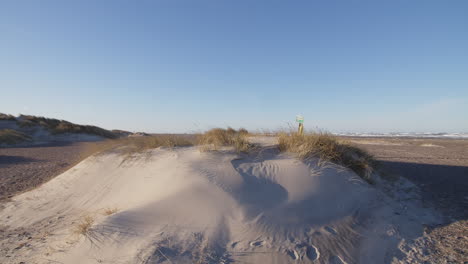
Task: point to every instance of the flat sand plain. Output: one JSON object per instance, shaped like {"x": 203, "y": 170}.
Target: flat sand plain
{"x": 440, "y": 169}
{"x": 438, "y": 166}
{"x": 24, "y": 168}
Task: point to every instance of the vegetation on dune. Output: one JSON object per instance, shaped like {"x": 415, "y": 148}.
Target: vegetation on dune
{"x": 66, "y": 127}
{"x": 135, "y": 144}
{"x": 84, "y": 226}
{"x": 57, "y": 126}
{"x": 211, "y": 140}
{"x": 7, "y": 117}
{"x": 218, "y": 137}
{"x": 10, "y": 137}
{"x": 327, "y": 147}
{"x": 121, "y": 133}
{"x": 110, "y": 210}
{"x": 141, "y": 143}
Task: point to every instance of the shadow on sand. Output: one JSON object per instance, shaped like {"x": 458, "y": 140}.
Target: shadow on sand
{"x": 43, "y": 144}
{"x": 442, "y": 186}
{"x": 6, "y": 161}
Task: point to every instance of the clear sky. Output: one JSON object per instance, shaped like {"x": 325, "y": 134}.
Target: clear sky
{"x": 184, "y": 66}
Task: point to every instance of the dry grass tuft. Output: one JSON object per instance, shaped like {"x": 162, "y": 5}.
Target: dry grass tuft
{"x": 243, "y": 131}
{"x": 327, "y": 147}
{"x": 218, "y": 137}
{"x": 110, "y": 210}
{"x": 10, "y": 137}
{"x": 84, "y": 226}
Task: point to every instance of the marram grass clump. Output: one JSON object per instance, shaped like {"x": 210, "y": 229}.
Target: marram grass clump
{"x": 328, "y": 148}
{"x": 84, "y": 226}
{"x": 218, "y": 137}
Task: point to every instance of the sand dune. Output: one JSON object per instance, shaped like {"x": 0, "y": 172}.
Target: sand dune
{"x": 187, "y": 206}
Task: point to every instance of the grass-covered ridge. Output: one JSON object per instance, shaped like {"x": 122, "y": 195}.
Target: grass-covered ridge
{"x": 327, "y": 147}
{"x": 11, "y": 137}
{"x": 56, "y": 126}
{"x": 6, "y": 117}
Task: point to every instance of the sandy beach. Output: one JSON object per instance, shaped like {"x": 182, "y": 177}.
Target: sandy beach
{"x": 439, "y": 167}
{"x": 225, "y": 132}
{"x": 186, "y": 206}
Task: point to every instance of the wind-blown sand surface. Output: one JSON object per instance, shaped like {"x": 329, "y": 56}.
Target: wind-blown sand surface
{"x": 185, "y": 206}
{"x": 438, "y": 166}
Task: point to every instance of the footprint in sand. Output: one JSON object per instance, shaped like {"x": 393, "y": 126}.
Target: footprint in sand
{"x": 306, "y": 250}
{"x": 331, "y": 230}
{"x": 293, "y": 254}
{"x": 312, "y": 253}
{"x": 256, "y": 243}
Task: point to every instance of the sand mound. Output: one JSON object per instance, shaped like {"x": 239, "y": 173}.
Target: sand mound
{"x": 187, "y": 206}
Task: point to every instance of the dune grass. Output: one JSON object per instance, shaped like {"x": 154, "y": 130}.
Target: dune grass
{"x": 10, "y": 137}
{"x": 211, "y": 140}
{"x": 218, "y": 137}
{"x": 328, "y": 148}
{"x": 57, "y": 126}
{"x": 138, "y": 144}
{"x": 142, "y": 143}
{"x": 84, "y": 226}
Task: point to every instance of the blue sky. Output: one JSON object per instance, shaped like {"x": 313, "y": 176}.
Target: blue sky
{"x": 185, "y": 66}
